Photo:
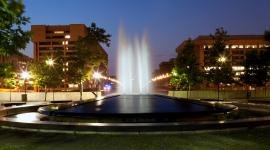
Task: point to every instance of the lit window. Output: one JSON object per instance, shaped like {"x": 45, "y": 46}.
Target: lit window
{"x": 241, "y": 46}
{"x": 261, "y": 46}
{"x": 67, "y": 36}
{"x": 58, "y": 32}
{"x": 248, "y": 46}
{"x": 227, "y": 46}
{"x": 66, "y": 42}
{"x": 234, "y": 46}
{"x": 254, "y": 46}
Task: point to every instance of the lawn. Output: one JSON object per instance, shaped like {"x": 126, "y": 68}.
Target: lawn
{"x": 245, "y": 139}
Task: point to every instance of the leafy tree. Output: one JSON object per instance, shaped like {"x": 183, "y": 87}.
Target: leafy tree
{"x": 90, "y": 55}
{"x": 186, "y": 72}
{"x": 178, "y": 81}
{"x": 12, "y": 37}
{"x": 47, "y": 76}
{"x": 255, "y": 69}
{"x": 257, "y": 66}
{"x": 218, "y": 60}
{"x": 8, "y": 76}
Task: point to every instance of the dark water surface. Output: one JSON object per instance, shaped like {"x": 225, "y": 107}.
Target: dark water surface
{"x": 137, "y": 104}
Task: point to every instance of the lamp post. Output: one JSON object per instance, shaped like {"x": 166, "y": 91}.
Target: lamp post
{"x": 188, "y": 76}
{"x": 221, "y": 60}
{"x": 97, "y": 76}
{"x": 25, "y": 76}
{"x": 50, "y": 63}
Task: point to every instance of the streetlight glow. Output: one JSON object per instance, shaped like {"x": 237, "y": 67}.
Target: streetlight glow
{"x": 97, "y": 75}
{"x": 25, "y": 75}
{"x": 50, "y": 62}
{"x": 222, "y": 59}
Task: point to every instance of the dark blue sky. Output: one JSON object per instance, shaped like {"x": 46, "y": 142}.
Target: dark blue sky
{"x": 166, "y": 22}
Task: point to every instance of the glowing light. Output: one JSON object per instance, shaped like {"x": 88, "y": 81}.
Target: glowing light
{"x": 27, "y": 117}
{"x": 107, "y": 87}
{"x": 58, "y": 32}
{"x": 25, "y": 75}
{"x": 67, "y": 36}
{"x": 50, "y": 62}
{"x": 161, "y": 77}
{"x": 222, "y": 59}
{"x": 97, "y": 75}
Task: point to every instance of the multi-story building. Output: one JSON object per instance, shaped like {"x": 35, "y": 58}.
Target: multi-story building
{"x": 238, "y": 46}
{"x": 49, "y": 39}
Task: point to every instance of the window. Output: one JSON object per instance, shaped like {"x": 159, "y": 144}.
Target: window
{"x": 58, "y": 32}
{"x": 234, "y": 46}
{"x": 44, "y": 43}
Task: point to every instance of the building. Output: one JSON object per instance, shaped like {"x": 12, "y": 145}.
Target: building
{"x": 49, "y": 39}
{"x": 238, "y": 46}
{"x": 19, "y": 61}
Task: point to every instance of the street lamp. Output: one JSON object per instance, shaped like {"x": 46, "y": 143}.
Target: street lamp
{"x": 222, "y": 59}
{"x": 97, "y": 75}
{"x": 50, "y": 62}
{"x": 25, "y": 76}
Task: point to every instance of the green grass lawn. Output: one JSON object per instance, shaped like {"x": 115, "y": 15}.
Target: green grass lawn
{"x": 245, "y": 139}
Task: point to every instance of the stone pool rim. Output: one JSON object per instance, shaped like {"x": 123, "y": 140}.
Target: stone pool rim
{"x": 108, "y": 128}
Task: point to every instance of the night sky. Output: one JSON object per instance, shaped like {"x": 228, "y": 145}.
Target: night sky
{"x": 166, "y": 22}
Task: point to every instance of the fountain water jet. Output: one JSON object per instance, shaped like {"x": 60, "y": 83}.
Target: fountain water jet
{"x": 133, "y": 68}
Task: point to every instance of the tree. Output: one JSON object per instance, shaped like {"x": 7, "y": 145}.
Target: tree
{"x": 257, "y": 65}
{"x": 48, "y": 75}
{"x": 186, "y": 71}
{"x": 90, "y": 55}
{"x": 255, "y": 69}
{"x": 8, "y": 76}
{"x": 218, "y": 60}
{"x": 12, "y": 37}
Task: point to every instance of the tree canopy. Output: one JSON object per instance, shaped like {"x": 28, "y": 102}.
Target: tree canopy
{"x": 12, "y": 36}
{"x": 186, "y": 71}
{"x": 219, "y": 59}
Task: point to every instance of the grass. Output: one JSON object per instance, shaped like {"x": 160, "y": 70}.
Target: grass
{"x": 245, "y": 139}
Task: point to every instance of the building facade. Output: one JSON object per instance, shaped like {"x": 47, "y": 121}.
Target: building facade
{"x": 238, "y": 46}
{"x": 47, "y": 40}
{"x": 50, "y": 39}
{"x": 19, "y": 61}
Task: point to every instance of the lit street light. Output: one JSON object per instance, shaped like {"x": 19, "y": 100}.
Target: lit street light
{"x": 25, "y": 76}
{"x": 97, "y": 75}
{"x": 222, "y": 59}
{"x": 50, "y": 62}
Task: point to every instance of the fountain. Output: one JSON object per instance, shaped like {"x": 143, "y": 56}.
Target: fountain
{"x": 135, "y": 109}
{"x": 133, "y": 65}
{"x": 135, "y": 101}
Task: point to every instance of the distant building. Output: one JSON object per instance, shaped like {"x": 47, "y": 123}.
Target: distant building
{"x": 238, "y": 46}
{"x": 49, "y": 39}
{"x": 19, "y": 61}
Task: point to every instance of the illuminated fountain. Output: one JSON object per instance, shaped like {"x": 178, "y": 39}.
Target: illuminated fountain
{"x": 133, "y": 65}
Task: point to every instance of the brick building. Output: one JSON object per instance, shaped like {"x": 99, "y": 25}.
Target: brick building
{"x": 238, "y": 46}
{"x": 49, "y": 39}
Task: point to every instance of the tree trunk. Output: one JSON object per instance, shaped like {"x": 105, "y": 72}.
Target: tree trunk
{"x": 218, "y": 91}
{"x": 10, "y": 94}
{"x": 81, "y": 90}
{"x": 45, "y": 90}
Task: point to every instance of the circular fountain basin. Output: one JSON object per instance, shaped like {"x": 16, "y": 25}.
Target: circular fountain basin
{"x": 137, "y": 106}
